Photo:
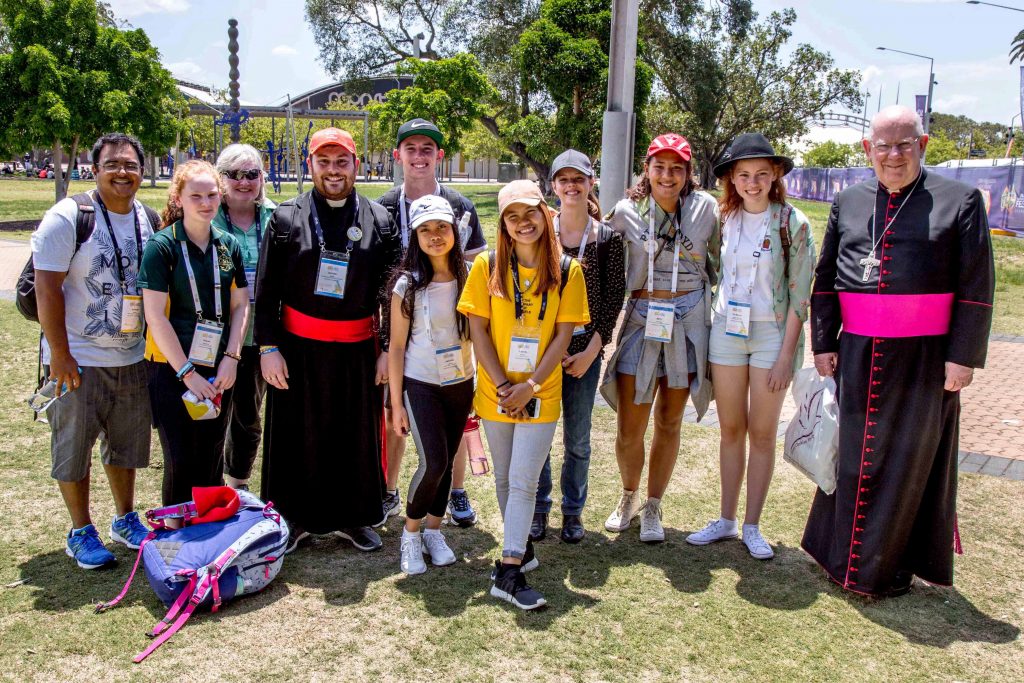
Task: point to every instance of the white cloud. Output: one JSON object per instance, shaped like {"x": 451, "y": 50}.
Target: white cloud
{"x": 284, "y": 51}
{"x": 127, "y": 9}
{"x": 955, "y": 103}
{"x": 189, "y": 71}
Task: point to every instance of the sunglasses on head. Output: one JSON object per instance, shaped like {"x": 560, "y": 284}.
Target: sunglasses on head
{"x": 251, "y": 174}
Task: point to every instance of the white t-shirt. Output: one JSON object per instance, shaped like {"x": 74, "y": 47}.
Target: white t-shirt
{"x": 437, "y": 331}
{"x": 92, "y": 287}
{"x": 742, "y": 235}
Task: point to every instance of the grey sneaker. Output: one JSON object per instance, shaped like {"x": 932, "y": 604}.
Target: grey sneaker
{"x": 435, "y": 546}
{"x": 391, "y": 504}
{"x": 412, "y": 554}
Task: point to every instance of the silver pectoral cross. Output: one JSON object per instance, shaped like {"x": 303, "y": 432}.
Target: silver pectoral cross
{"x": 869, "y": 262}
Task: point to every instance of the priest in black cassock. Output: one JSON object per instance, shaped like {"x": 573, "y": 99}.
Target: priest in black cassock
{"x": 325, "y": 261}
{"x": 900, "y": 312}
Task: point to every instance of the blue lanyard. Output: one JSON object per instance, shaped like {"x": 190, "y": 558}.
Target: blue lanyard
{"x": 117, "y": 247}
{"x": 319, "y": 230}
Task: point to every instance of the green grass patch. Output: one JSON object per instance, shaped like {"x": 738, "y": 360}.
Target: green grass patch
{"x": 619, "y": 610}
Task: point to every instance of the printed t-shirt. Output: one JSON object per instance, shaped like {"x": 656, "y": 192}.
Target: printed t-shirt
{"x": 164, "y": 271}
{"x": 570, "y": 307}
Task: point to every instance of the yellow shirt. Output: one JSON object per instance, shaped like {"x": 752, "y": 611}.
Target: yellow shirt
{"x": 571, "y": 307}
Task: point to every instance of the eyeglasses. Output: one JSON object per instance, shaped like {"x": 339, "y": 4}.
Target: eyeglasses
{"x": 250, "y": 174}
{"x": 903, "y": 147}
{"x": 116, "y": 166}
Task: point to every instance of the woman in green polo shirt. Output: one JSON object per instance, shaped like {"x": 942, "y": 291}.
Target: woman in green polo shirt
{"x": 244, "y": 214}
{"x": 196, "y": 324}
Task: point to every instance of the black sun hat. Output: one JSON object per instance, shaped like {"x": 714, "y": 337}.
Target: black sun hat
{"x": 750, "y": 146}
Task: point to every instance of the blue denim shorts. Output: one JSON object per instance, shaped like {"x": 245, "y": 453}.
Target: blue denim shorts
{"x": 760, "y": 350}
{"x": 629, "y": 357}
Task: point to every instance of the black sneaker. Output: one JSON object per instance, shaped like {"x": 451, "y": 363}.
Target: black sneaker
{"x": 510, "y": 585}
{"x": 539, "y": 528}
{"x": 572, "y": 529}
{"x": 297, "y": 538}
{"x": 362, "y": 537}
{"x": 460, "y": 510}
{"x": 391, "y": 504}
{"x": 530, "y": 561}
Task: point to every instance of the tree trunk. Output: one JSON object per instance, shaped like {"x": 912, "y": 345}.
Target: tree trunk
{"x": 59, "y": 190}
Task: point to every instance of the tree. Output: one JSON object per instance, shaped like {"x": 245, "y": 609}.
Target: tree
{"x": 721, "y": 66}
{"x": 967, "y": 134}
{"x": 831, "y": 154}
{"x": 940, "y": 149}
{"x": 68, "y": 79}
{"x": 1017, "y": 47}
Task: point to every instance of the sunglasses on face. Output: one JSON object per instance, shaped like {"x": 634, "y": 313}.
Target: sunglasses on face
{"x": 250, "y": 174}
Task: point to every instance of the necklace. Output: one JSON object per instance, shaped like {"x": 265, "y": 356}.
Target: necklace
{"x": 871, "y": 260}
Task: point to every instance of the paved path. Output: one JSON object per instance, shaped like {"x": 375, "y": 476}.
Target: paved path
{"x": 991, "y": 421}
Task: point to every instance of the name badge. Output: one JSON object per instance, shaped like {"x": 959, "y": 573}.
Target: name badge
{"x": 661, "y": 319}
{"x": 250, "y": 281}
{"x": 524, "y": 349}
{"x": 131, "y": 314}
{"x": 330, "y": 276}
{"x": 737, "y": 319}
{"x": 450, "y": 368}
{"x": 205, "y": 343}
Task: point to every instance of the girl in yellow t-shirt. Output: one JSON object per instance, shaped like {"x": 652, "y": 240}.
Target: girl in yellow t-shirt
{"x": 521, "y": 318}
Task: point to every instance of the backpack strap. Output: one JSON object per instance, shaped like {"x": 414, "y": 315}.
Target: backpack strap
{"x": 153, "y": 216}
{"x": 103, "y": 606}
{"x": 85, "y": 219}
{"x": 566, "y": 266}
{"x": 787, "y": 213}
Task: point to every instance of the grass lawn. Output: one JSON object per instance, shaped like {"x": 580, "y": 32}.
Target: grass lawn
{"x": 618, "y": 610}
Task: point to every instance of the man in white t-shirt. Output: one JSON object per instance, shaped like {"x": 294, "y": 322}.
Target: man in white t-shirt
{"x": 90, "y": 310}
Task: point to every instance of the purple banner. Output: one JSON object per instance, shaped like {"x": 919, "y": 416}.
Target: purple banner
{"x": 921, "y": 102}
{"x": 1002, "y": 188}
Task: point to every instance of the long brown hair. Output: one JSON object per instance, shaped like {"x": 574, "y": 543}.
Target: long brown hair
{"x": 642, "y": 189}
{"x": 182, "y": 174}
{"x": 730, "y": 201}
{"x": 549, "y": 253}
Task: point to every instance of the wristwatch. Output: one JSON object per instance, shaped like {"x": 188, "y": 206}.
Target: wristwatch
{"x": 533, "y": 385}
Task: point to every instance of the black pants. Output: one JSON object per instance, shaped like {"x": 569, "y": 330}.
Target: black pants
{"x": 193, "y": 449}
{"x": 437, "y": 416}
{"x": 244, "y": 426}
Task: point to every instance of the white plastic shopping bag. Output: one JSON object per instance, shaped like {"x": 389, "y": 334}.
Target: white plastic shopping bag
{"x": 812, "y": 437}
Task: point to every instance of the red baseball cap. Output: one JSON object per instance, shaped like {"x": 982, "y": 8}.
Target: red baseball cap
{"x": 670, "y": 142}
{"x": 214, "y": 503}
{"x": 331, "y": 136}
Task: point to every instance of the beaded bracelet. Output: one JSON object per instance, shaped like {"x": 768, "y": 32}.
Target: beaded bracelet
{"x": 234, "y": 356}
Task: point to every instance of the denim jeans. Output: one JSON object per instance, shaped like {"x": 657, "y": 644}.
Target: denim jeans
{"x": 577, "y": 408}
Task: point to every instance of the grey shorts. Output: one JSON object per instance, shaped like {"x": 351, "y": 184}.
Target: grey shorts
{"x": 760, "y": 350}
{"x": 112, "y": 405}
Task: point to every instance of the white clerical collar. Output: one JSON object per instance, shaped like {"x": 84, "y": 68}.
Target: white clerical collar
{"x": 336, "y": 203}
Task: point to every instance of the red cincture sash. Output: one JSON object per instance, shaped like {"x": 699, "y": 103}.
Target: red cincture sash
{"x": 302, "y": 325}
{"x": 896, "y": 315}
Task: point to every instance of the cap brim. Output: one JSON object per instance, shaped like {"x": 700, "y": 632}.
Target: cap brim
{"x": 579, "y": 167}
{"x": 720, "y": 170}
{"x": 331, "y": 143}
{"x": 433, "y": 216}
{"x": 434, "y": 135}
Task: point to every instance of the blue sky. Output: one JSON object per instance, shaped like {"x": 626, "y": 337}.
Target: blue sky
{"x": 969, "y": 43}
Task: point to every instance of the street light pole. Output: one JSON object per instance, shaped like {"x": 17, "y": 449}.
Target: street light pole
{"x": 990, "y": 4}
{"x": 931, "y": 83}
{"x": 619, "y": 119}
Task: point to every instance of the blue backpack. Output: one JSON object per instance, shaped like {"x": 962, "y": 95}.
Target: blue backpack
{"x": 203, "y": 565}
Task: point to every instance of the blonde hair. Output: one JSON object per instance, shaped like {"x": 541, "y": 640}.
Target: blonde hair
{"x": 182, "y": 174}
{"x": 238, "y": 155}
{"x": 730, "y": 201}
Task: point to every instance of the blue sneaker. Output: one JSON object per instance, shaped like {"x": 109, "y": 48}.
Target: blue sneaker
{"x": 460, "y": 510}
{"x": 128, "y": 530}
{"x": 86, "y": 547}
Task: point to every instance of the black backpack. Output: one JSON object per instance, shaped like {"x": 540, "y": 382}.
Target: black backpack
{"x": 85, "y": 223}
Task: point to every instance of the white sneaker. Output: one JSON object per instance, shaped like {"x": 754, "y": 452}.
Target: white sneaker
{"x": 758, "y": 547}
{"x": 412, "y": 553}
{"x": 716, "y": 530}
{"x": 435, "y": 546}
{"x": 651, "y": 530}
{"x": 628, "y": 508}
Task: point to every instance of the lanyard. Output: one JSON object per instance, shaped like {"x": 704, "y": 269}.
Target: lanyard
{"x": 756, "y": 253}
{"x": 319, "y": 230}
{"x": 651, "y": 239}
{"x": 404, "y": 216}
{"x": 256, "y": 223}
{"x": 586, "y": 235}
{"x": 192, "y": 278}
{"x": 519, "y": 293}
{"x": 117, "y": 248}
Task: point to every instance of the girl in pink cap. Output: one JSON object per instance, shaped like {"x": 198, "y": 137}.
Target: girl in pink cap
{"x": 661, "y": 356}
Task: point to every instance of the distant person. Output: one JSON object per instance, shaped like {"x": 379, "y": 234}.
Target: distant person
{"x": 90, "y": 310}
{"x": 757, "y": 340}
{"x": 901, "y": 314}
{"x": 196, "y": 302}
{"x": 661, "y": 358}
{"x": 419, "y": 148}
{"x": 244, "y": 214}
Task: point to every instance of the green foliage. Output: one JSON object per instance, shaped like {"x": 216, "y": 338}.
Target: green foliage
{"x": 69, "y": 78}
{"x": 724, "y": 68}
{"x": 831, "y": 154}
{"x": 940, "y": 149}
{"x": 966, "y": 134}
{"x": 1017, "y": 47}
{"x": 450, "y": 92}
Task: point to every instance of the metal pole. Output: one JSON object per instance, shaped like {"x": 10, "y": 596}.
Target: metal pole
{"x": 299, "y": 176}
{"x": 617, "y": 131}
{"x": 928, "y": 103}
{"x": 366, "y": 142}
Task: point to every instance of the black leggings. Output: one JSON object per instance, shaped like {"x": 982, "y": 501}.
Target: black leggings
{"x": 437, "y": 416}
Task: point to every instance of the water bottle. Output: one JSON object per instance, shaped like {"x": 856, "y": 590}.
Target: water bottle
{"x": 45, "y": 395}
{"x": 478, "y": 464}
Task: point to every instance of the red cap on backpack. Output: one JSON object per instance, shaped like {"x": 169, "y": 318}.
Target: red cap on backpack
{"x": 670, "y": 142}
{"x": 214, "y": 503}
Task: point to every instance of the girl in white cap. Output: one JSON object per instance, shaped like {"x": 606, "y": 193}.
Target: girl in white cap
{"x": 431, "y": 371}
